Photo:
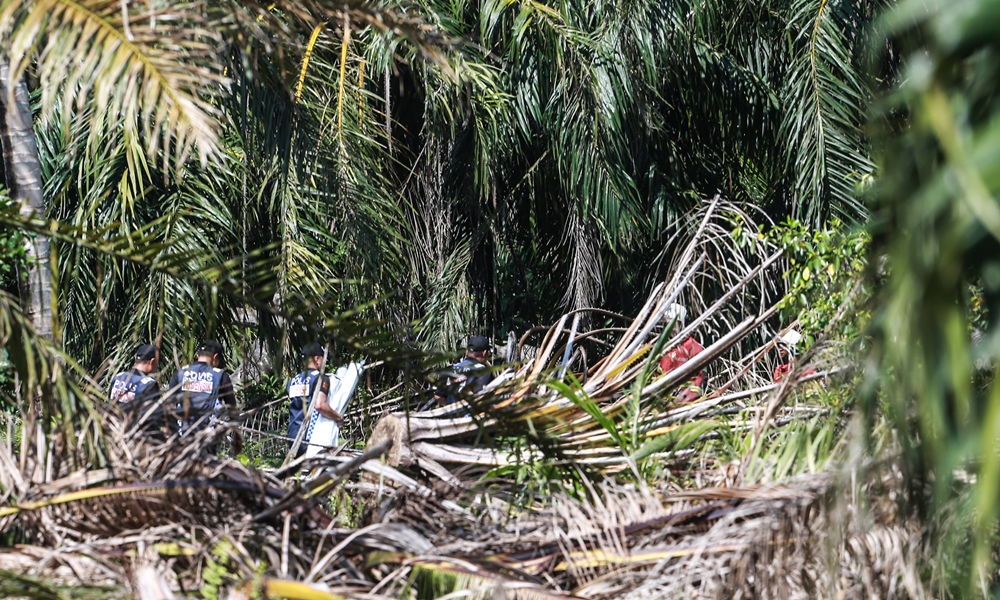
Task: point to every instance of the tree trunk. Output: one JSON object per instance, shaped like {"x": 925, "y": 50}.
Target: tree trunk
{"x": 24, "y": 180}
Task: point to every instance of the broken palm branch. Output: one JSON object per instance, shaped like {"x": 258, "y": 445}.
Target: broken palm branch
{"x": 323, "y": 483}
{"x": 610, "y": 414}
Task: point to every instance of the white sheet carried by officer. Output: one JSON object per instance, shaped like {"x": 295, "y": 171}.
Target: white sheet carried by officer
{"x": 322, "y": 431}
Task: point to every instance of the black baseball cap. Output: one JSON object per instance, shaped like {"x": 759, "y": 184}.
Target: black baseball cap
{"x": 210, "y": 348}
{"x": 145, "y": 352}
{"x": 478, "y": 343}
{"x": 312, "y": 350}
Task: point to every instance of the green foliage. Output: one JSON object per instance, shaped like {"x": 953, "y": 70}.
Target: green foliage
{"x": 260, "y": 391}
{"x": 826, "y": 268}
{"x": 803, "y": 446}
{"x": 677, "y": 438}
{"x": 13, "y": 261}
{"x": 534, "y": 477}
{"x": 13, "y": 257}
{"x": 254, "y": 455}
{"x": 938, "y": 228}
{"x": 825, "y": 275}
{"x": 809, "y": 438}
{"x": 13, "y": 585}
{"x": 7, "y": 381}
{"x": 573, "y": 391}
{"x": 218, "y": 571}
{"x": 345, "y": 507}
{"x": 429, "y": 582}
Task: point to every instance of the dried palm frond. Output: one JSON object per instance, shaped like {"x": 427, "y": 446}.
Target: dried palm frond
{"x": 618, "y": 410}
{"x": 60, "y": 568}
{"x": 625, "y": 541}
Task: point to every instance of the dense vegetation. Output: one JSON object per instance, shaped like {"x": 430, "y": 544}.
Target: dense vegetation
{"x": 394, "y": 177}
{"x": 482, "y": 174}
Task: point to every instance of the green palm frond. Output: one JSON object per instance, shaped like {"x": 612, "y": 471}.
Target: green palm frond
{"x": 152, "y": 67}
{"x": 187, "y": 276}
{"x": 58, "y": 396}
{"x": 825, "y": 96}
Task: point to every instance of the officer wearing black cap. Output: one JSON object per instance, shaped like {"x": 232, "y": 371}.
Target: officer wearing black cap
{"x": 132, "y": 388}
{"x": 301, "y": 389}
{"x": 202, "y": 387}
{"x": 469, "y": 375}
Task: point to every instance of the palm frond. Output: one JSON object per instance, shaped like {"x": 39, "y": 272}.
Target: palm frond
{"x": 826, "y": 92}
{"x": 149, "y": 66}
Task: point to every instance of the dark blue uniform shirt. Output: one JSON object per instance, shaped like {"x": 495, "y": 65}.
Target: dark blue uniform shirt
{"x": 132, "y": 388}
{"x": 199, "y": 389}
{"x": 300, "y": 393}
{"x": 467, "y": 376}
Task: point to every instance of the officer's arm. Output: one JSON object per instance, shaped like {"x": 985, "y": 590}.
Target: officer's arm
{"x": 482, "y": 381}
{"x": 226, "y": 393}
{"x": 445, "y": 388}
{"x": 151, "y": 393}
{"x": 440, "y": 395}
{"x": 323, "y": 406}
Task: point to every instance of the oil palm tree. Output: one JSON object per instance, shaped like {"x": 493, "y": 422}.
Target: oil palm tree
{"x": 209, "y": 133}
{"x": 22, "y": 174}
{"x": 533, "y": 168}
{"x": 114, "y": 67}
{"x": 590, "y": 126}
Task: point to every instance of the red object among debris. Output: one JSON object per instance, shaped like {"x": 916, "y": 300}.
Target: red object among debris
{"x": 687, "y": 350}
{"x": 782, "y": 371}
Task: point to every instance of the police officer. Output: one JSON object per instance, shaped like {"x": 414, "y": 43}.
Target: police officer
{"x": 132, "y": 388}
{"x": 201, "y": 388}
{"x": 301, "y": 389}
{"x": 469, "y": 375}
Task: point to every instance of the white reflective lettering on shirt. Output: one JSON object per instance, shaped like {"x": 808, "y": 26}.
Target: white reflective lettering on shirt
{"x": 298, "y": 391}
{"x": 197, "y": 386}
{"x": 198, "y": 382}
{"x": 120, "y": 392}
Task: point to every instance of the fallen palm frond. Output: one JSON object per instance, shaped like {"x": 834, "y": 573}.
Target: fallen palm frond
{"x": 621, "y": 542}
{"x": 760, "y": 541}
{"x": 621, "y": 409}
